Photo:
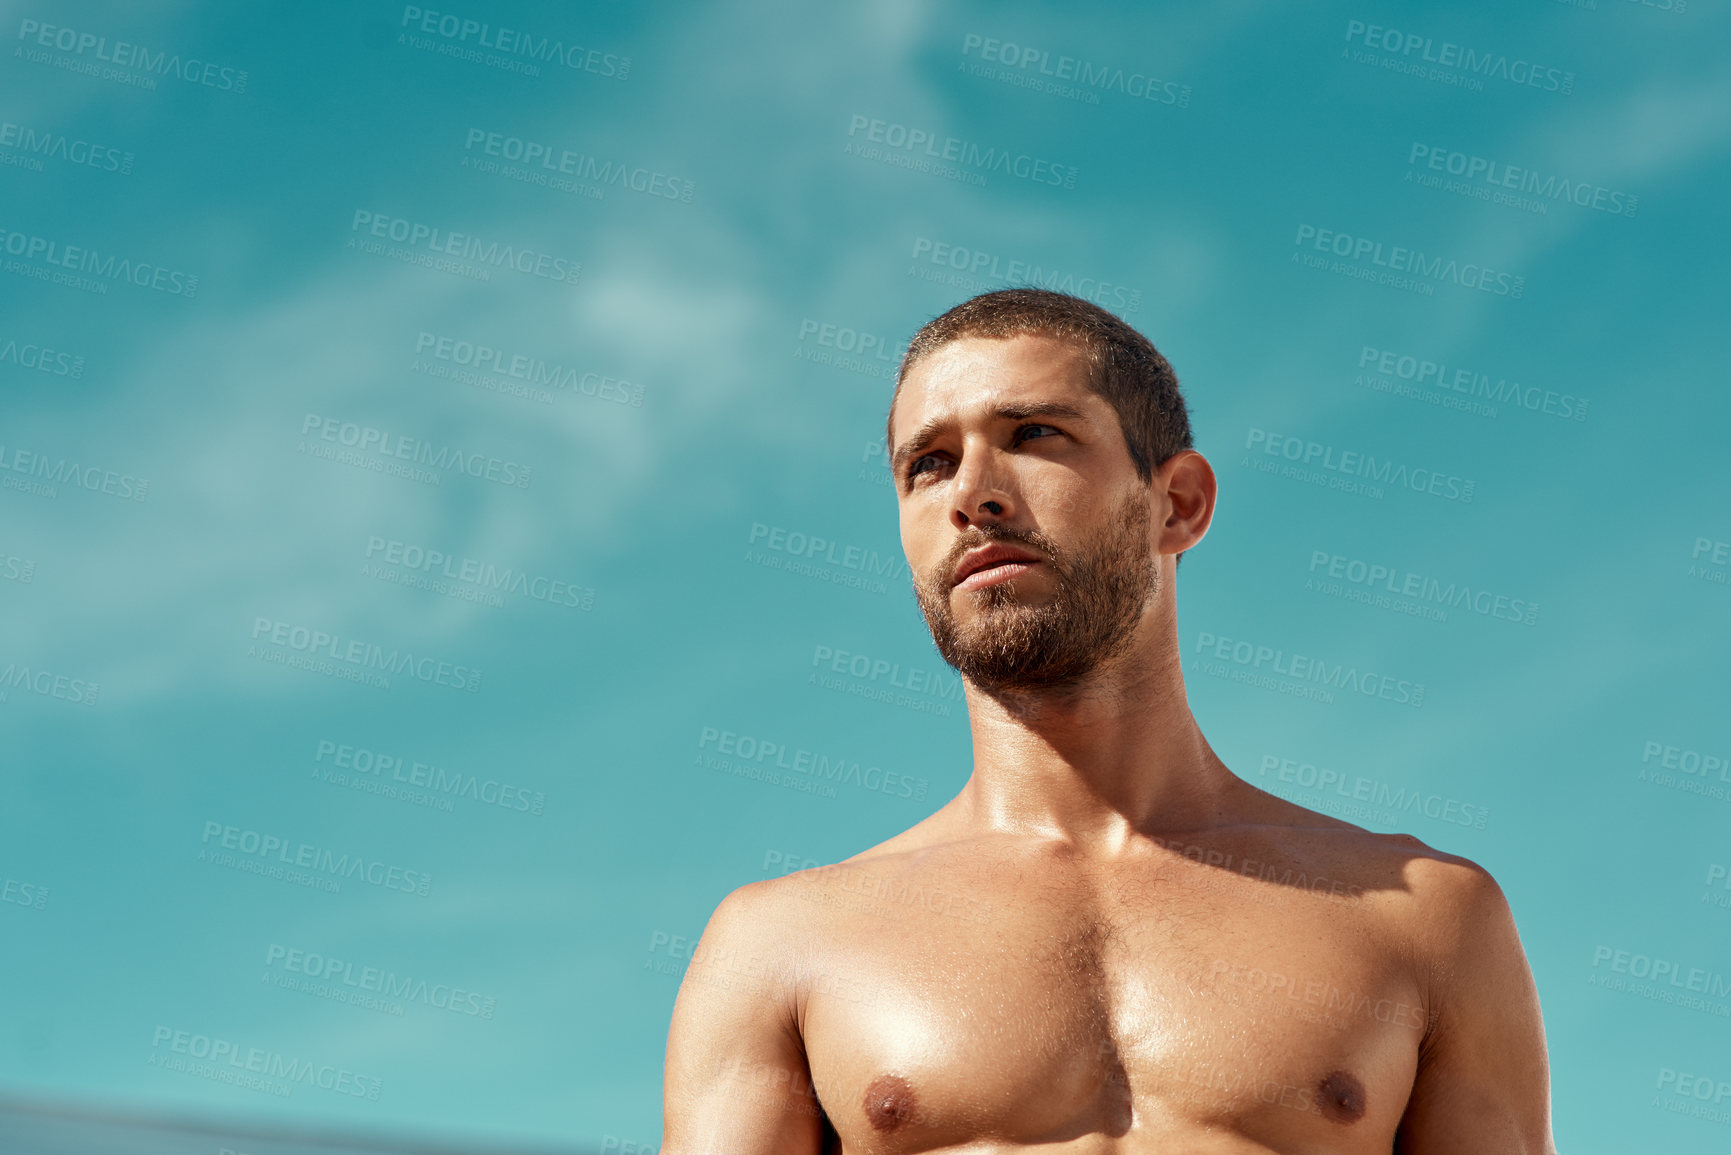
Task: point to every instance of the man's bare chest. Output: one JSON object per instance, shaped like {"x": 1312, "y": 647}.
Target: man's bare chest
{"x": 1036, "y": 1004}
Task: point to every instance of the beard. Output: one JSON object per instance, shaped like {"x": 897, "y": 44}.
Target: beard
{"x": 1100, "y": 589}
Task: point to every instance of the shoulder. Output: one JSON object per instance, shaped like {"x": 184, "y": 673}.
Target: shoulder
{"x": 1428, "y": 903}
{"x": 1434, "y": 893}
{"x": 1445, "y": 914}
{"x": 1428, "y": 884}
{"x": 1483, "y": 1079}
{"x": 1447, "y": 895}
{"x": 773, "y": 909}
{"x": 788, "y": 921}
{"x": 748, "y": 942}
{"x": 755, "y": 914}
{"x": 756, "y": 956}
{"x": 1445, "y": 922}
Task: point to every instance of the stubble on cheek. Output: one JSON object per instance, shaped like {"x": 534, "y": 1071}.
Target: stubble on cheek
{"x": 1001, "y": 640}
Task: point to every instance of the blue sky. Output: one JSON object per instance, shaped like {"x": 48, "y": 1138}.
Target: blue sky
{"x": 703, "y": 399}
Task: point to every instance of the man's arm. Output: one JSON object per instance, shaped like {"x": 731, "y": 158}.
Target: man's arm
{"x": 1483, "y": 1085}
{"x": 736, "y": 1080}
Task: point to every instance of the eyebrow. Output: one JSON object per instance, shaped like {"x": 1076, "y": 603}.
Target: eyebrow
{"x": 928, "y": 433}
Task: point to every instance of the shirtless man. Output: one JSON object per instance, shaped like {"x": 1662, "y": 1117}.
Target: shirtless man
{"x": 1107, "y": 941}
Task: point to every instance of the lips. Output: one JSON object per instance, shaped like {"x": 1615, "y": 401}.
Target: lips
{"x": 988, "y": 556}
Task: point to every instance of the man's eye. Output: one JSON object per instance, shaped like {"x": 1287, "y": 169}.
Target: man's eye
{"x": 914, "y": 470}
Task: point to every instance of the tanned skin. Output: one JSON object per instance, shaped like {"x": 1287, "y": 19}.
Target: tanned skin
{"x": 1107, "y": 941}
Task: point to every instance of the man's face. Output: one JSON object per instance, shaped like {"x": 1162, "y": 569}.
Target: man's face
{"x": 1001, "y": 441}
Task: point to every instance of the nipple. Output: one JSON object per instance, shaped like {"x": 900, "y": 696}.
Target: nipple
{"x": 888, "y": 1102}
{"x": 1341, "y": 1097}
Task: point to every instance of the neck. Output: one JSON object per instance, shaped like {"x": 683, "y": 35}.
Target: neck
{"x": 1098, "y": 764}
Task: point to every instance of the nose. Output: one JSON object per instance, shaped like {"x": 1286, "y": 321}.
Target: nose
{"x": 978, "y": 495}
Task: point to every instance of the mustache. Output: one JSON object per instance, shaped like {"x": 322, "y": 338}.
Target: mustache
{"x": 1032, "y": 539}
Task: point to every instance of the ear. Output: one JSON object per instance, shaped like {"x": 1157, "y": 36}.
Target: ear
{"x": 1187, "y": 481}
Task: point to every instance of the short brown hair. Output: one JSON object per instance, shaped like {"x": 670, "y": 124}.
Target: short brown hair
{"x": 1125, "y": 368}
